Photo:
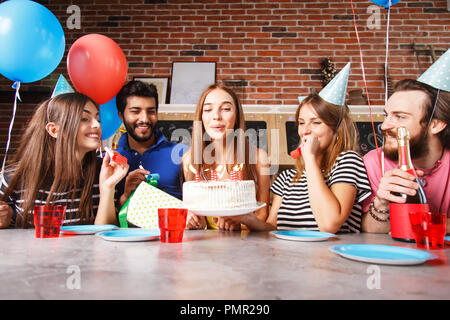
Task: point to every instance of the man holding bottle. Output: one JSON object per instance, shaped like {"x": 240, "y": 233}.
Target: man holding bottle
{"x": 423, "y": 108}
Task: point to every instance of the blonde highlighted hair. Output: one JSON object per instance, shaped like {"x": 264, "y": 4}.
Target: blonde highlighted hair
{"x": 338, "y": 119}
{"x": 240, "y": 140}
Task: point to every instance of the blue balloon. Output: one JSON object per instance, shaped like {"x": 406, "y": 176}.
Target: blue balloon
{"x": 32, "y": 41}
{"x": 109, "y": 118}
{"x": 385, "y": 3}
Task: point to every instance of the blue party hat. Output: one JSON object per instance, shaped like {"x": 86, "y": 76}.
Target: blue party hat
{"x": 62, "y": 86}
{"x": 334, "y": 92}
{"x": 438, "y": 75}
{"x": 301, "y": 98}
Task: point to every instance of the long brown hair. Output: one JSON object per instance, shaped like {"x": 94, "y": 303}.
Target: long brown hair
{"x": 240, "y": 140}
{"x": 42, "y": 160}
{"x": 338, "y": 119}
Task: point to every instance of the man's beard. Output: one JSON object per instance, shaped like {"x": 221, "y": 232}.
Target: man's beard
{"x": 418, "y": 145}
{"x": 131, "y": 127}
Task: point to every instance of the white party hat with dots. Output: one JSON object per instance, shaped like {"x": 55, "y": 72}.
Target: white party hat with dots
{"x": 334, "y": 92}
{"x": 144, "y": 204}
{"x": 438, "y": 75}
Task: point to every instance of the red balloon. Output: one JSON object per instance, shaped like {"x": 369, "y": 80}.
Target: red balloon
{"x": 97, "y": 67}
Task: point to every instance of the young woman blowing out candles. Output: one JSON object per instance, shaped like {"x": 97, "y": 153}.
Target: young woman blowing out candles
{"x": 219, "y": 114}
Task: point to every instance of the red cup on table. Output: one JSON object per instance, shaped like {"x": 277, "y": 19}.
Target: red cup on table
{"x": 399, "y": 217}
{"x": 429, "y": 229}
{"x": 48, "y": 220}
{"x": 172, "y": 222}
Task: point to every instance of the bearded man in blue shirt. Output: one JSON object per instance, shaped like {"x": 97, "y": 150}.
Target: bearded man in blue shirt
{"x": 143, "y": 144}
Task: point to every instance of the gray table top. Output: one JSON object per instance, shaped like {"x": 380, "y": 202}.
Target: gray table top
{"x": 212, "y": 265}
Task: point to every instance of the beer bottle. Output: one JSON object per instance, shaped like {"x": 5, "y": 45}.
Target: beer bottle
{"x": 405, "y": 164}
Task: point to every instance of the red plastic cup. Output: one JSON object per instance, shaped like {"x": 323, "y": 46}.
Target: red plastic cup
{"x": 429, "y": 229}
{"x": 399, "y": 216}
{"x": 48, "y": 220}
{"x": 172, "y": 222}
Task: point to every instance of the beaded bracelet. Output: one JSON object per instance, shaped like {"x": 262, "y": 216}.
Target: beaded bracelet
{"x": 372, "y": 208}
{"x": 378, "y": 211}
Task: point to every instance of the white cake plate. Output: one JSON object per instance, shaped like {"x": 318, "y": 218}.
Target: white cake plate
{"x": 226, "y": 212}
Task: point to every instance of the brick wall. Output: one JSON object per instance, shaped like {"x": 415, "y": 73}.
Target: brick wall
{"x": 275, "y": 47}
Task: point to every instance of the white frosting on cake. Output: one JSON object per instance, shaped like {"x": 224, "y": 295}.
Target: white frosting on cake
{"x": 219, "y": 194}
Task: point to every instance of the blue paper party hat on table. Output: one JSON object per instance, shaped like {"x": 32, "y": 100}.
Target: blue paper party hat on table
{"x": 334, "y": 92}
{"x": 62, "y": 86}
{"x": 438, "y": 75}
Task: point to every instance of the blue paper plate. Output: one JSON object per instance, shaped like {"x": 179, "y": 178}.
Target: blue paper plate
{"x": 302, "y": 235}
{"x": 87, "y": 229}
{"x": 382, "y": 254}
{"x": 125, "y": 235}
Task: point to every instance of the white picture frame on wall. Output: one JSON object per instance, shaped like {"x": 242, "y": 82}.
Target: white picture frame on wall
{"x": 160, "y": 83}
{"x": 189, "y": 80}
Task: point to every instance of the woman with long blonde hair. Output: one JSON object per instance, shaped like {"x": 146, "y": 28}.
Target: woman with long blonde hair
{"x": 56, "y": 163}
{"x": 219, "y": 143}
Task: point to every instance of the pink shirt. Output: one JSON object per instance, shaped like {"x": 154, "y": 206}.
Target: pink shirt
{"x": 437, "y": 187}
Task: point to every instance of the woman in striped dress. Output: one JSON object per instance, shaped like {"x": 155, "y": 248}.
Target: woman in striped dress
{"x": 326, "y": 189}
{"x": 56, "y": 163}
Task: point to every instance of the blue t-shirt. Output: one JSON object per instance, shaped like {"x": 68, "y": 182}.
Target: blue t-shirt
{"x": 164, "y": 158}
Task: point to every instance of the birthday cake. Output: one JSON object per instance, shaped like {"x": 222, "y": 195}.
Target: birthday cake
{"x": 219, "y": 194}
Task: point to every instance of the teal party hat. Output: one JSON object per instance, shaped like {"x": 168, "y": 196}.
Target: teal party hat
{"x": 62, "y": 86}
{"x": 334, "y": 92}
{"x": 438, "y": 75}
{"x": 301, "y": 98}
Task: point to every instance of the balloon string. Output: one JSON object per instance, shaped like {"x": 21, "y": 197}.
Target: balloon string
{"x": 434, "y": 108}
{"x": 366, "y": 87}
{"x": 386, "y": 92}
{"x": 386, "y": 60}
{"x": 16, "y": 86}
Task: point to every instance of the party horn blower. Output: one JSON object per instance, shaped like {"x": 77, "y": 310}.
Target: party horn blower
{"x": 150, "y": 176}
{"x": 116, "y": 157}
{"x": 297, "y": 153}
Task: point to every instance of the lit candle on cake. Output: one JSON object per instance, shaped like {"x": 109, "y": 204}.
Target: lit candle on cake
{"x": 214, "y": 175}
{"x": 220, "y": 171}
{"x": 236, "y": 173}
{"x": 233, "y": 174}
{"x": 239, "y": 172}
{"x": 197, "y": 176}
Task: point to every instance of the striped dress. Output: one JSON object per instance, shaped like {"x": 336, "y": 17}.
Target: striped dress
{"x": 295, "y": 210}
{"x": 65, "y": 198}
